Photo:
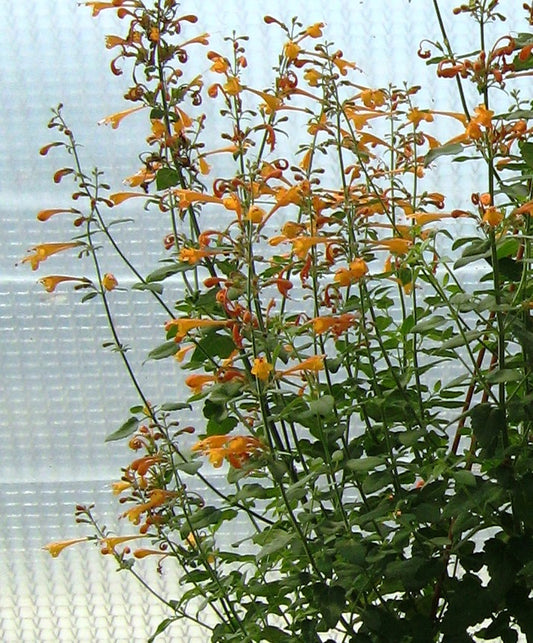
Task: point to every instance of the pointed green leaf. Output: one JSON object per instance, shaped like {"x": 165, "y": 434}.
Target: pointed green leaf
{"x": 124, "y": 431}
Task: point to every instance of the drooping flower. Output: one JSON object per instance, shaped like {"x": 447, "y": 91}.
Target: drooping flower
{"x": 109, "y": 281}
{"x": 51, "y": 281}
{"x": 44, "y": 215}
{"x": 45, "y": 250}
{"x": 261, "y": 368}
{"x": 55, "y": 548}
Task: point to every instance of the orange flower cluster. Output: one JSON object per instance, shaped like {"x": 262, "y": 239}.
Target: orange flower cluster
{"x": 237, "y": 450}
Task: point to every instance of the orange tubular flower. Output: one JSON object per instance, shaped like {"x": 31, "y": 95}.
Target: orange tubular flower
{"x": 188, "y": 197}
{"x": 44, "y": 215}
{"x": 184, "y": 325}
{"x": 113, "y": 4}
{"x": 347, "y": 276}
{"x": 54, "y": 549}
{"x": 108, "y": 544}
{"x": 52, "y": 281}
{"x": 120, "y": 197}
{"x": 237, "y": 450}
{"x": 198, "y": 381}
{"x": 492, "y": 216}
{"x": 395, "y": 245}
{"x": 115, "y": 119}
{"x": 312, "y": 364}
{"x": 157, "y": 498}
{"x": 261, "y": 368}
{"x": 291, "y": 50}
{"x": 337, "y": 324}
{"x": 45, "y": 250}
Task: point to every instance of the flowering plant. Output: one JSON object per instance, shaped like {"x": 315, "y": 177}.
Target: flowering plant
{"x": 369, "y": 402}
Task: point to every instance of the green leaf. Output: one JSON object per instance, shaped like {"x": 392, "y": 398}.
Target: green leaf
{"x": 275, "y": 635}
{"x": 164, "y": 350}
{"x": 323, "y": 406}
{"x": 188, "y": 467}
{"x": 504, "y": 375}
{"x": 161, "y": 628}
{"x": 429, "y": 324}
{"x": 166, "y": 178}
{"x": 464, "y": 478}
{"x": 487, "y": 422}
{"x": 167, "y": 271}
{"x": 124, "y": 431}
{"x": 526, "y": 149}
{"x": 278, "y": 539}
{"x": 362, "y": 465}
{"x": 331, "y": 601}
{"x": 175, "y": 406}
{"x": 450, "y": 149}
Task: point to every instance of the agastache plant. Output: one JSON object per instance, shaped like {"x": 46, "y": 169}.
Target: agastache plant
{"x": 369, "y": 402}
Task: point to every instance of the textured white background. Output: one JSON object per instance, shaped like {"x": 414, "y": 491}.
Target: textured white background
{"x": 55, "y": 380}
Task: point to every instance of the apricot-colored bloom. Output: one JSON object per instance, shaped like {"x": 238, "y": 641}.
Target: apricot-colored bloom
{"x": 52, "y": 281}
{"x": 492, "y": 216}
{"x": 237, "y": 450}
{"x": 291, "y": 50}
{"x": 315, "y": 30}
{"x": 113, "y": 4}
{"x": 120, "y": 197}
{"x": 45, "y": 250}
{"x": 232, "y": 86}
{"x": 314, "y": 364}
{"x": 302, "y": 245}
{"x": 356, "y": 269}
{"x": 312, "y": 76}
{"x": 180, "y": 355}
{"x": 291, "y": 229}
{"x": 372, "y": 98}
{"x": 337, "y": 324}
{"x": 188, "y": 197}
{"x": 395, "y": 245}
{"x": 143, "y": 552}
{"x": 256, "y": 214}
{"x": 143, "y": 176}
{"x": 261, "y": 368}
{"x": 184, "y": 325}
{"x": 157, "y": 498}
{"x": 197, "y": 381}
{"x": 44, "y": 215}
{"x": 115, "y": 119}
{"x": 109, "y": 543}
{"x": 194, "y": 255}
{"x": 342, "y": 65}
{"x": 415, "y": 116}
{"x": 54, "y": 549}
{"x": 119, "y": 486}
{"x": 109, "y": 281}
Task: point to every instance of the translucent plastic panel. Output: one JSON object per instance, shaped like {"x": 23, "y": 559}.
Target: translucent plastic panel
{"x": 60, "y": 392}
